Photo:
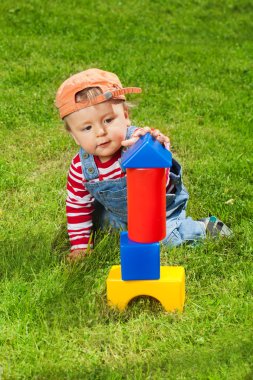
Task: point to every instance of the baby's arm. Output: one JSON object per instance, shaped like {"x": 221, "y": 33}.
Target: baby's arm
{"x": 142, "y": 131}
{"x": 79, "y": 209}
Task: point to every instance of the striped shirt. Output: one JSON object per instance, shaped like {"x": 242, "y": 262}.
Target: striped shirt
{"x": 80, "y": 203}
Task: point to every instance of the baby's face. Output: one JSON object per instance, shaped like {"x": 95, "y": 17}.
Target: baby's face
{"x": 100, "y": 129}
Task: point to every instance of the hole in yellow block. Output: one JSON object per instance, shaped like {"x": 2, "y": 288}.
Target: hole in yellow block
{"x": 169, "y": 290}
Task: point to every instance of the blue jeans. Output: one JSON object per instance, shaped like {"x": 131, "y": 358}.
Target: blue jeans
{"x": 180, "y": 228}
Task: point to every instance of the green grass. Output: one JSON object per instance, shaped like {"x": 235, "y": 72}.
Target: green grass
{"x": 193, "y": 60}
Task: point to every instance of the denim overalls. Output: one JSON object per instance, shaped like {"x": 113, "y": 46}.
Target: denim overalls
{"x": 111, "y": 202}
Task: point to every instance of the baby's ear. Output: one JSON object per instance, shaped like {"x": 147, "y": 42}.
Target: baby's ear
{"x": 68, "y": 129}
{"x": 126, "y": 114}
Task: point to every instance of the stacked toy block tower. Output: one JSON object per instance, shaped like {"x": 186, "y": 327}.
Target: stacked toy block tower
{"x": 140, "y": 273}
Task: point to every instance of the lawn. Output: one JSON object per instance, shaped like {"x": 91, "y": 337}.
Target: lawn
{"x": 193, "y": 60}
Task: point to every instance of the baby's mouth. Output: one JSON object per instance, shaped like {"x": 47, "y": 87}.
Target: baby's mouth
{"x": 104, "y": 144}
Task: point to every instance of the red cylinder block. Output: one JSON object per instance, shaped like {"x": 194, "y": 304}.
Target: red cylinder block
{"x": 146, "y": 197}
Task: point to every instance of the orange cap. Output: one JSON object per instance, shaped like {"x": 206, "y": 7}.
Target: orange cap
{"x": 109, "y": 84}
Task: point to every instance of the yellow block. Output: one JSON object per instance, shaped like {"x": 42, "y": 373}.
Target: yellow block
{"x": 169, "y": 289}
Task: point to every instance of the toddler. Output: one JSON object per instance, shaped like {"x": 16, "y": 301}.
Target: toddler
{"x": 93, "y": 106}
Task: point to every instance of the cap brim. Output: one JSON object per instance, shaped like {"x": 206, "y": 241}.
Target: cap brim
{"x": 68, "y": 108}
{"x": 111, "y": 94}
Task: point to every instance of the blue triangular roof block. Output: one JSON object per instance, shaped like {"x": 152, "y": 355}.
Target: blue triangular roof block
{"x": 147, "y": 152}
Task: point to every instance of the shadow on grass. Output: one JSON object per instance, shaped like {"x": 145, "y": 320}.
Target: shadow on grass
{"x": 225, "y": 360}
{"x": 60, "y": 242}
{"x": 26, "y": 255}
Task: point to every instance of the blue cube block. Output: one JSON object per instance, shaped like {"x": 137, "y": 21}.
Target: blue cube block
{"x": 139, "y": 261}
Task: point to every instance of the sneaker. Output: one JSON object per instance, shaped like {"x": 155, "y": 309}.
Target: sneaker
{"x": 216, "y": 227}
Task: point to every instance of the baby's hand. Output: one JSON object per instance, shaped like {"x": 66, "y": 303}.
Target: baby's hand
{"x": 78, "y": 254}
{"x": 143, "y": 131}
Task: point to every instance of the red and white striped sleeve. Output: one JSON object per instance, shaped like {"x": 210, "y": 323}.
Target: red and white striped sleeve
{"x": 79, "y": 207}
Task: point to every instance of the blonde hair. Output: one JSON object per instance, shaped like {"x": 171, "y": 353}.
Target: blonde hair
{"x": 90, "y": 93}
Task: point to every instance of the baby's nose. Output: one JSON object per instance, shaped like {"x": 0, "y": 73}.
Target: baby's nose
{"x": 101, "y": 130}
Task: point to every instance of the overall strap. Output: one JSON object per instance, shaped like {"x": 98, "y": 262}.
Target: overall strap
{"x": 130, "y": 131}
{"x": 90, "y": 170}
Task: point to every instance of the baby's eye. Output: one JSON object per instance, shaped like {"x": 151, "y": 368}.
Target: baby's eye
{"x": 108, "y": 121}
{"x": 87, "y": 128}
